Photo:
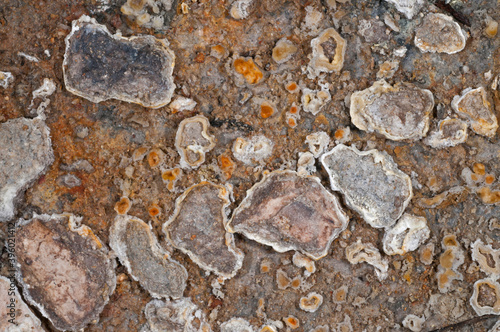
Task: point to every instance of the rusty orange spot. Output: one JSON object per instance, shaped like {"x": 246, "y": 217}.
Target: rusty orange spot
{"x": 248, "y": 69}
{"x": 489, "y": 179}
{"x": 450, "y": 241}
{"x": 219, "y": 49}
{"x": 479, "y": 168}
{"x": 153, "y": 159}
{"x": 122, "y": 206}
{"x": 488, "y": 196}
{"x": 266, "y": 111}
{"x": 474, "y": 177}
{"x": 200, "y": 57}
{"x": 225, "y": 161}
{"x": 171, "y": 174}
{"x": 264, "y": 268}
{"x": 292, "y": 322}
{"x": 339, "y": 133}
{"x": 292, "y": 86}
{"x": 296, "y": 283}
{"x": 292, "y": 123}
{"x": 154, "y": 210}
{"x": 193, "y": 236}
{"x": 294, "y": 109}
{"x": 321, "y": 119}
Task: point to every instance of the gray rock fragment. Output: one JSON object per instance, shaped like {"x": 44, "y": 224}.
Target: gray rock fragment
{"x": 138, "y": 250}
{"x": 99, "y": 66}
{"x": 64, "y": 269}
{"x": 16, "y": 315}
{"x": 26, "y": 153}
{"x": 440, "y": 33}
{"x": 408, "y": 7}
{"x": 449, "y": 132}
{"x": 197, "y": 229}
{"x": 372, "y": 184}
{"x": 290, "y": 212}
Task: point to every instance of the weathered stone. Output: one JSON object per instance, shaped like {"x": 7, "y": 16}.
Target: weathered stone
{"x": 473, "y": 106}
{"x": 25, "y": 154}
{"x": 193, "y": 141}
{"x": 99, "y": 66}
{"x": 328, "y": 51}
{"x": 407, "y": 235}
{"x": 290, "y": 212}
{"x": 449, "y": 132}
{"x": 138, "y": 250}
{"x": 440, "y": 33}
{"x": 181, "y": 315}
{"x": 16, "y": 315}
{"x": 64, "y": 269}
{"x": 371, "y": 183}
{"x": 408, "y": 7}
{"x": 197, "y": 229}
{"x": 400, "y": 112}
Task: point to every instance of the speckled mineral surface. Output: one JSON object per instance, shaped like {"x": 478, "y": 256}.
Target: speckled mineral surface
{"x": 440, "y": 33}
{"x": 290, "y": 212}
{"x": 138, "y": 250}
{"x": 25, "y": 154}
{"x": 197, "y": 229}
{"x": 99, "y": 66}
{"x": 64, "y": 269}
{"x": 371, "y": 183}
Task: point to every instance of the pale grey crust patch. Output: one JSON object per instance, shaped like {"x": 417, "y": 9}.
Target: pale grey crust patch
{"x": 24, "y": 318}
{"x": 440, "y": 33}
{"x": 473, "y": 106}
{"x": 64, "y": 269}
{"x": 290, "y": 212}
{"x": 197, "y": 228}
{"x": 25, "y": 153}
{"x": 138, "y": 250}
{"x": 399, "y": 113}
{"x": 371, "y": 183}
{"x": 193, "y": 141}
{"x": 99, "y": 66}
{"x": 449, "y": 132}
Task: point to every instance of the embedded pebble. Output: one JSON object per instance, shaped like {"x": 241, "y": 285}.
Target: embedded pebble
{"x": 408, "y": 7}
{"x": 311, "y": 302}
{"x": 370, "y": 182}
{"x": 399, "y": 112}
{"x": 25, "y": 155}
{"x": 306, "y": 164}
{"x": 57, "y": 256}
{"x": 193, "y": 141}
{"x": 487, "y": 258}
{"x": 146, "y": 261}
{"x": 197, "y": 229}
{"x": 240, "y": 9}
{"x": 180, "y": 315}
{"x": 440, "y": 33}
{"x": 313, "y": 101}
{"x": 318, "y": 143}
{"x": 359, "y": 252}
{"x": 254, "y": 150}
{"x": 290, "y": 212}
{"x": 180, "y": 104}
{"x": 449, "y": 132}
{"x": 5, "y": 79}
{"x": 236, "y": 324}
{"x": 407, "y": 235}
{"x": 300, "y": 260}
{"x": 99, "y": 66}
{"x": 485, "y": 299}
{"x": 284, "y": 50}
{"x": 414, "y": 323}
{"x": 328, "y": 51}
{"x": 473, "y": 106}
{"x": 155, "y": 14}
{"x": 16, "y": 315}
{"x": 449, "y": 262}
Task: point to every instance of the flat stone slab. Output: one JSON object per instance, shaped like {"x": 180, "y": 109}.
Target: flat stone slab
{"x": 399, "y": 112}
{"x": 371, "y": 183}
{"x": 25, "y": 154}
{"x": 64, "y": 269}
{"x": 99, "y": 66}
{"x": 290, "y": 212}
{"x": 197, "y": 229}
{"x": 16, "y": 315}
{"x": 138, "y": 250}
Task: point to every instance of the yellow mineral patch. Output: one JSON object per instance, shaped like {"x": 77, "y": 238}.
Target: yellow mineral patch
{"x": 249, "y": 70}
{"x": 123, "y": 205}
{"x": 311, "y": 302}
{"x": 292, "y": 322}
{"x": 488, "y": 196}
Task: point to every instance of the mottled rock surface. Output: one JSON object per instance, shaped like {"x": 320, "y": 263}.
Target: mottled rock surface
{"x": 64, "y": 269}
{"x": 440, "y": 33}
{"x": 99, "y": 66}
{"x": 139, "y": 251}
{"x": 25, "y": 154}
{"x": 290, "y": 212}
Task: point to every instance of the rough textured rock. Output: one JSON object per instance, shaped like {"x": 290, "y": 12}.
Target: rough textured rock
{"x": 449, "y": 132}
{"x": 193, "y": 141}
{"x": 64, "y": 269}
{"x": 99, "y": 66}
{"x": 328, "y": 51}
{"x": 181, "y": 315}
{"x": 440, "y": 33}
{"x": 16, "y": 315}
{"x": 407, "y": 235}
{"x": 408, "y": 7}
{"x": 197, "y": 229}
{"x": 139, "y": 251}
{"x": 400, "y": 112}
{"x": 26, "y": 153}
{"x": 371, "y": 183}
{"x": 290, "y": 212}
